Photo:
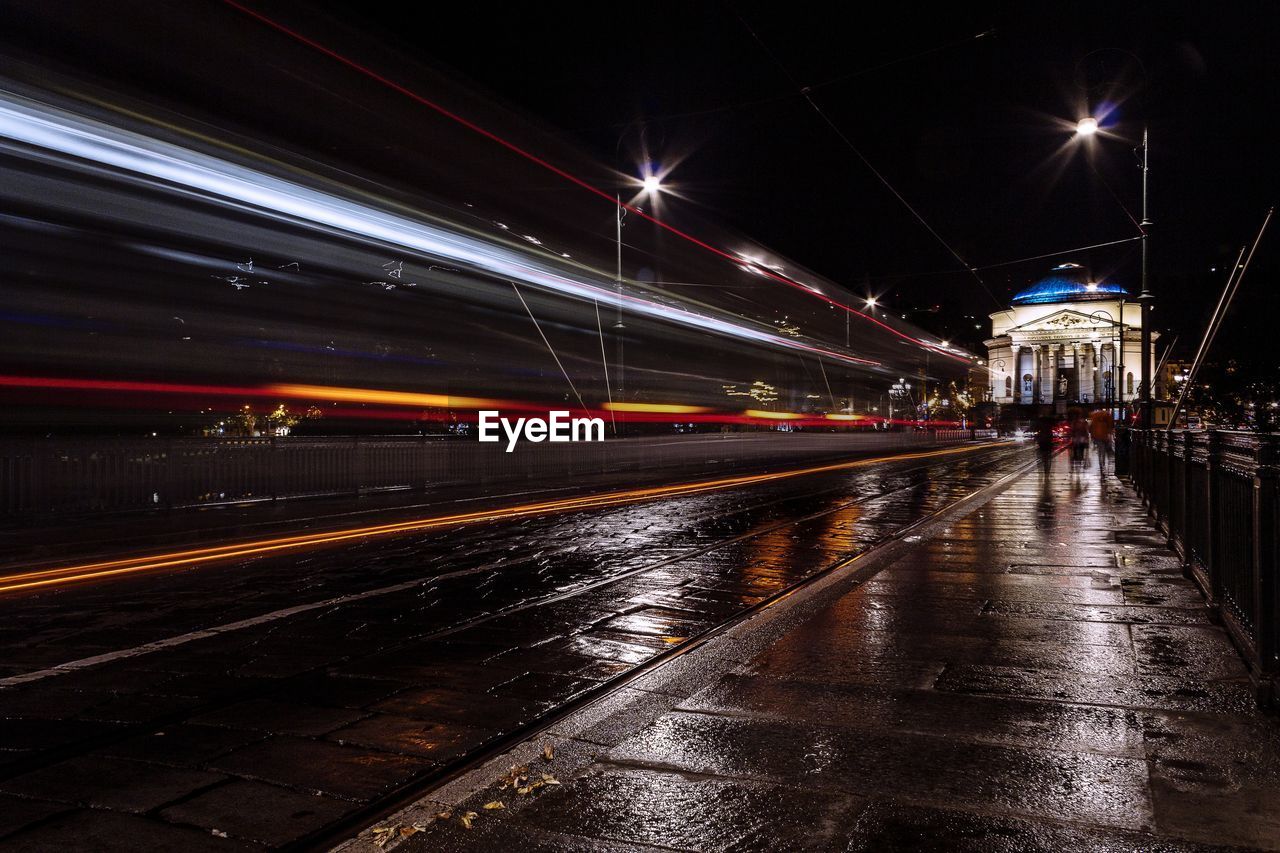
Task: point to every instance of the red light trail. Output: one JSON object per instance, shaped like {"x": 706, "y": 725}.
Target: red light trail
{"x": 533, "y": 158}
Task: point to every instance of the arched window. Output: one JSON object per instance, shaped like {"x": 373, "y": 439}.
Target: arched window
{"x": 1008, "y": 386}
{"x": 1129, "y": 384}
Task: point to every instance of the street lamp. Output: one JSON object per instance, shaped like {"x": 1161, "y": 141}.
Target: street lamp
{"x": 1088, "y": 126}
{"x": 650, "y": 185}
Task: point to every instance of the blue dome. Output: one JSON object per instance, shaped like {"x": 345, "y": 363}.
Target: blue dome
{"x": 1068, "y": 283}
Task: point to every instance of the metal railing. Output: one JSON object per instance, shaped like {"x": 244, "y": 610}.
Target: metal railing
{"x": 1216, "y": 495}
{"x": 93, "y": 475}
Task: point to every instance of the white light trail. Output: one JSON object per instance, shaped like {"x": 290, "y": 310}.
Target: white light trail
{"x": 55, "y": 130}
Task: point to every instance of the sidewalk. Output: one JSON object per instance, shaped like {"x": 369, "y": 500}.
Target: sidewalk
{"x": 1034, "y": 674}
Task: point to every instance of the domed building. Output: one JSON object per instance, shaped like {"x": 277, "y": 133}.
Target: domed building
{"x": 1068, "y": 339}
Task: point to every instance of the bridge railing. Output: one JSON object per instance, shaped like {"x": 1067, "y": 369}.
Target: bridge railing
{"x": 96, "y": 475}
{"x": 1216, "y": 495}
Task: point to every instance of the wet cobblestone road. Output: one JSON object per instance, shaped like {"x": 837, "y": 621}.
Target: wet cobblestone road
{"x": 1034, "y": 675}
{"x": 244, "y": 724}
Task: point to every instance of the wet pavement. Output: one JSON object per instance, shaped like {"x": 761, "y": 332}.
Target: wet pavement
{"x": 264, "y": 702}
{"x": 1031, "y": 674}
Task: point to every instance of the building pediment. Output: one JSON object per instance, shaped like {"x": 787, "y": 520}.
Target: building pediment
{"x": 1066, "y": 320}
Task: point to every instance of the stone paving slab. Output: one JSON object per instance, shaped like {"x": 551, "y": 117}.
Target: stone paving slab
{"x": 1038, "y": 677}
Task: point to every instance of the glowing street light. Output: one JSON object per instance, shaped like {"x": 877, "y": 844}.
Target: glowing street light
{"x": 652, "y": 184}
{"x": 871, "y": 302}
{"x": 1087, "y": 126}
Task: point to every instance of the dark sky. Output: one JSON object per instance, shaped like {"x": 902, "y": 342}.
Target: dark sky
{"x": 966, "y": 110}
{"x": 967, "y": 127}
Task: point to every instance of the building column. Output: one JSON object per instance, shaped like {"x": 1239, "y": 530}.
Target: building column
{"x": 1018, "y": 374}
{"x": 1037, "y": 365}
{"x": 1073, "y": 390}
{"x": 1095, "y": 359}
{"x": 1055, "y": 353}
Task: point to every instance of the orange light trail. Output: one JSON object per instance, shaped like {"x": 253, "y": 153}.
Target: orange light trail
{"x": 132, "y": 565}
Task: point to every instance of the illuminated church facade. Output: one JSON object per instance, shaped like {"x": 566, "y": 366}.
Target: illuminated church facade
{"x": 1067, "y": 340}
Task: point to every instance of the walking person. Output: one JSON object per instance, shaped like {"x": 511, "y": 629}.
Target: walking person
{"x": 1101, "y": 428}
{"x": 1044, "y": 443}
{"x": 1079, "y": 434}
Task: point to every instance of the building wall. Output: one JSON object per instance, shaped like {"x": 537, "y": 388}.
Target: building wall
{"x": 1050, "y": 342}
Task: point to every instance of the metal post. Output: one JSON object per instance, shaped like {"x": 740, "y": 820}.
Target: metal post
{"x": 1144, "y": 300}
{"x": 618, "y": 324}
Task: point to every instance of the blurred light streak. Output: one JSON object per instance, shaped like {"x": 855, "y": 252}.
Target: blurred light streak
{"x": 416, "y": 406}
{"x": 393, "y": 398}
{"x": 773, "y": 416}
{"x": 533, "y": 158}
{"x": 56, "y": 130}
{"x": 663, "y": 408}
{"x": 196, "y": 556}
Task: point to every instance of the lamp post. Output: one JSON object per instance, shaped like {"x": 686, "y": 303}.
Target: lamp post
{"x": 1086, "y": 127}
{"x": 649, "y": 185}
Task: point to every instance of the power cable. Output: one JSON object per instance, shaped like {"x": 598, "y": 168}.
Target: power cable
{"x": 805, "y": 92}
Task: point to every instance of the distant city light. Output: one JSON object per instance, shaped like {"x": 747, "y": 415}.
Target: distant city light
{"x": 1087, "y": 126}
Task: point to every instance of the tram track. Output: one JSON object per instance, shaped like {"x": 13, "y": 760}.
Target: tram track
{"x": 414, "y": 787}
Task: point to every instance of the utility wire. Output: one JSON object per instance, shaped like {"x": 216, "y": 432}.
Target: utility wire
{"x": 1054, "y": 254}
{"x": 805, "y": 92}
{"x": 550, "y": 348}
{"x": 830, "y": 393}
{"x": 790, "y": 96}
{"x": 604, "y": 362}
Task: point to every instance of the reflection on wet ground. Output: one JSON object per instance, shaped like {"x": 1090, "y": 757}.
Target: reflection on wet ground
{"x": 449, "y": 641}
{"x": 1025, "y": 679}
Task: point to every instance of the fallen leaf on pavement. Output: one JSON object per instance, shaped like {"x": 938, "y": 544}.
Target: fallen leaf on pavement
{"x": 444, "y": 815}
{"x": 496, "y": 804}
{"x": 514, "y": 777}
{"x": 548, "y": 752}
{"x": 467, "y": 818}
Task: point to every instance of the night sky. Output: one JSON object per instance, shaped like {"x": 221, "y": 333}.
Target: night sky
{"x": 961, "y": 110}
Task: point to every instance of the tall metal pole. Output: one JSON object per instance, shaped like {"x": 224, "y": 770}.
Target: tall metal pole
{"x": 1144, "y": 300}
{"x": 618, "y": 324}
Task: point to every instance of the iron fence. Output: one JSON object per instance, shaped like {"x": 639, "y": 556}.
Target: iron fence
{"x": 1215, "y": 495}
{"x": 120, "y": 475}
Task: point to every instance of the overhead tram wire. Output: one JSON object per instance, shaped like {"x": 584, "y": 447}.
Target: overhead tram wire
{"x": 574, "y": 179}
{"x": 550, "y": 348}
{"x": 790, "y": 96}
{"x": 806, "y": 91}
{"x": 1055, "y": 254}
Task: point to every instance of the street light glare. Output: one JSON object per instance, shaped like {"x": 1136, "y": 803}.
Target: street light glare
{"x": 652, "y": 184}
{"x": 1087, "y": 126}
{"x": 871, "y": 302}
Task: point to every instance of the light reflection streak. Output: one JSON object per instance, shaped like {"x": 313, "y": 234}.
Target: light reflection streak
{"x": 113, "y": 568}
{"x": 54, "y": 130}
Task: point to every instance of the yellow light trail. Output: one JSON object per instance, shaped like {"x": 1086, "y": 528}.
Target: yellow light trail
{"x": 196, "y": 556}
{"x": 775, "y": 416}
{"x": 660, "y": 408}
{"x": 371, "y": 395}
